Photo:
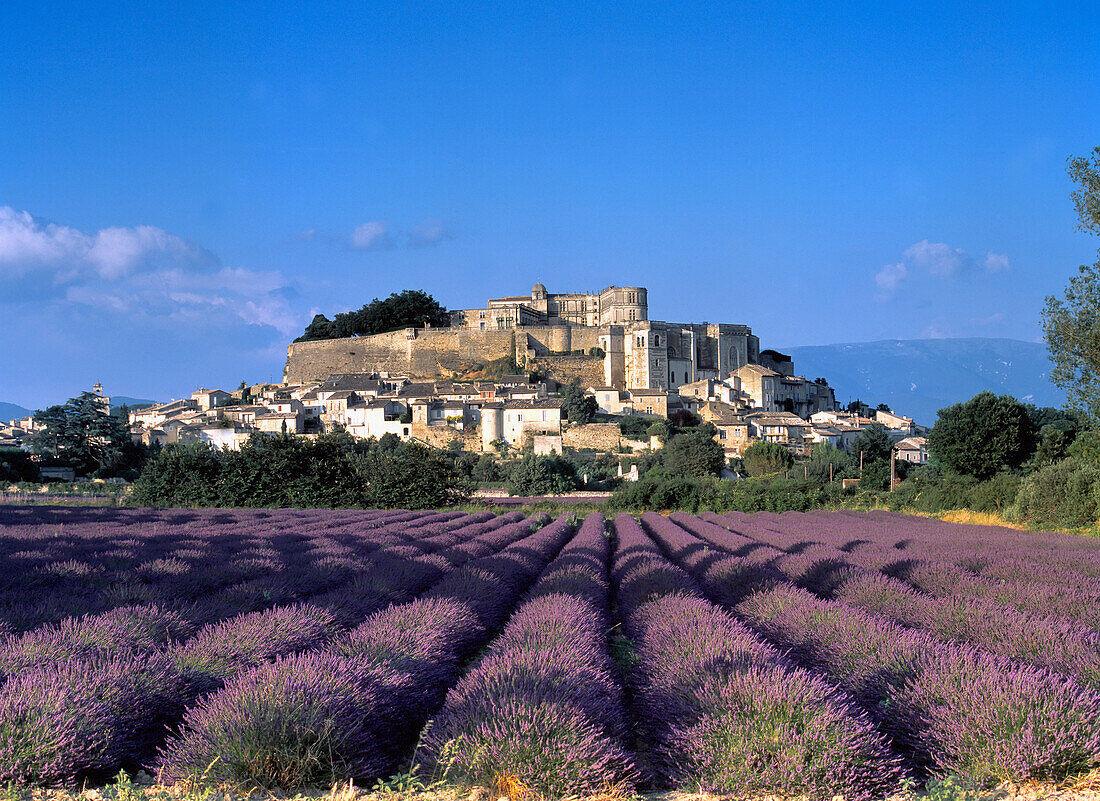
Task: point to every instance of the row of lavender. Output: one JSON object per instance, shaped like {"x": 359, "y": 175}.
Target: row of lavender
{"x": 753, "y": 655}
{"x": 952, "y": 704}
{"x": 1035, "y": 621}
{"x": 90, "y": 695}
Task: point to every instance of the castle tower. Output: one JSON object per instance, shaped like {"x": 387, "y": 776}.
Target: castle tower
{"x": 492, "y": 425}
{"x": 614, "y": 360}
{"x": 623, "y": 304}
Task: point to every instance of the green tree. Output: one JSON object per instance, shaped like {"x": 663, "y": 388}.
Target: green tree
{"x": 579, "y": 407}
{"x": 83, "y": 434}
{"x": 412, "y": 476}
{"x": 827, "y": 460}
{"x": 411, "y": 308}
{"x": 182, "y": 474}
{"x": 694, "y": 453}
{"x": 541, "y": 475}
{"x": 1071, "y": 324}
{"x": 766, "y": 458}
{"x": 1053, "y": 445}
{"x": 332, "y": 471}
{"x": 659, "y": 429}
{"x": 1086, "y": 198}
{"x": 874, "y": 443}
{"x": 985, "y": 434}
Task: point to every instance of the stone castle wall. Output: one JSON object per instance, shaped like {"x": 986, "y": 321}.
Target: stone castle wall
{"x": 585, "y": 370}
{"x": 419, "y": 352}
{"x": 433, "y": 352}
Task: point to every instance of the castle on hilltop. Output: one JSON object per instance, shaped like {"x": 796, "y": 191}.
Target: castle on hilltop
{"x": 611, "y": 306}
{"x": 603, "y": 339}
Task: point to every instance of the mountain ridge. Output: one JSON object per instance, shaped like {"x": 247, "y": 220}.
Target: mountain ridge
{"x": 917, "y": 377}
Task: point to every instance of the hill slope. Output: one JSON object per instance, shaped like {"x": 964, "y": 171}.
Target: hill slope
{"x": 918, "y": 377}
{"x": 11, "y": 411}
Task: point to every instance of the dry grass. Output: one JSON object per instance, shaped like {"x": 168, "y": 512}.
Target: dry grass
{"x": 977, "y": 518}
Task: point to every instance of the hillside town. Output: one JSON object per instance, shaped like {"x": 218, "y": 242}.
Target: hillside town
{"x": 637, "y": 368}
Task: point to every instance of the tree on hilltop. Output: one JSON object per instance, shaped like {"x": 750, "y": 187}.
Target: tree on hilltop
{"x": 411, "y": 308}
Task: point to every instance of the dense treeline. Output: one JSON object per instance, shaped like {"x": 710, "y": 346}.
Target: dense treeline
{"x": 408, "y": 309}
{"x": 331, "y": 471}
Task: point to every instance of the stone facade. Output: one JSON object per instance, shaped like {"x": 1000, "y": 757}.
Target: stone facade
{"x": 615, "y": 304}
{"x": 412, "y": 351}
{"x": 593, "y": 436}
{"x": 442, "y": 436}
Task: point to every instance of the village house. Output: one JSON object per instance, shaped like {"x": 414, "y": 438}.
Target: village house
{"x": 782, "y": 428}
{"x": 511, "y": 421}
{"x": 206, "y": 399}
{"x": 734, "y": 432}
{"x": 895, "y": 422}
{"x": 280, "y": 423}
{"x": 913, "y": 450}
{"x": 377, "y": 418}
{"x": 153, "y": 416}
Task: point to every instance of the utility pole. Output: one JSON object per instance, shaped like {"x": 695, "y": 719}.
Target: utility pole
{"x": 830, "y": 472}
{"x": 861, "y": 465}
{"x": 893, "y": 467}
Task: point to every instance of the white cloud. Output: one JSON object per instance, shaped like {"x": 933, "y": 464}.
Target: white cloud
{"x": 143, "y": 273}
{"x": 996, "y": 263}
{"x": 428, "y": 233}
{"x": 373, "y": 235}
{"x": 890, "y": 276}
{"x": 29, "y": 245}
{"x": 936, "y": 260}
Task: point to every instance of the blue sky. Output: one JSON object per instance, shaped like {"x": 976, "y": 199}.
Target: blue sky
{"x": 182, "y": 187}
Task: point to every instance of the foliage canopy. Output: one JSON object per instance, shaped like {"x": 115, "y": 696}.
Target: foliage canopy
{"x": 983, "y": 435}
{"x": 408, "y": 309}
{"x": 1071, "y": 324}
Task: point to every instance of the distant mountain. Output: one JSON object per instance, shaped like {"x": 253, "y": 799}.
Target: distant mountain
{"x": 10, "y": 411}
{"x": 918, "y": 377}
{"x": 118, "y": 400}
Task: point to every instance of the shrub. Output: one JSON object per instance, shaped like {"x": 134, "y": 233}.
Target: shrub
{"x": 80, "y": 720}
{"x": 128, "y": 629}
{"x": 542, "y": 475}
{"x": 634, "y": 427}
{"x": 694, "y": 453}
{"x": 1062, "y": 495}
{"x": 308, "y": 720}
{"x": 224, "y": 649}
{"x": 766, "y": 458}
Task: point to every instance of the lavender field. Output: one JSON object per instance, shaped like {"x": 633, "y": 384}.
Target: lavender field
{"x": 804, "y": 654}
